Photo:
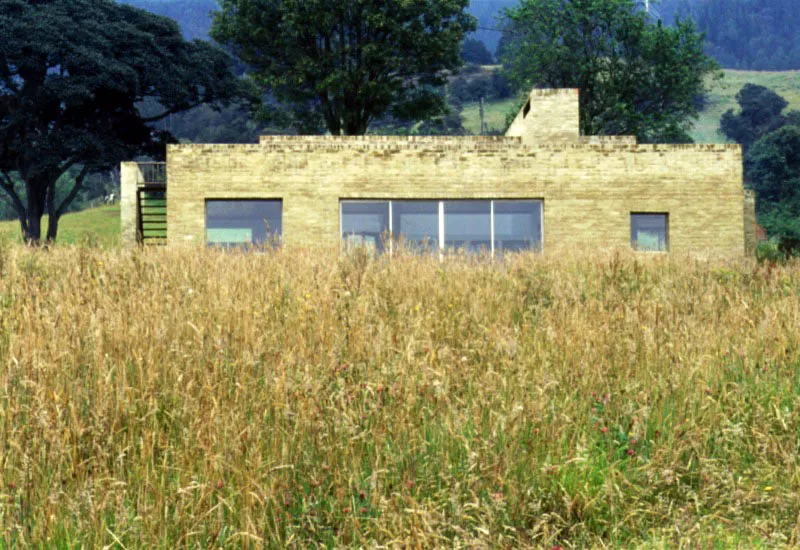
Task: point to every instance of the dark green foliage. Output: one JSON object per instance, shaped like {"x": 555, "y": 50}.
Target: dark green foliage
{"x": 636, "y": 77}
{"x": 345, "y": 63}
{"x": 751, "y": 34}
{"x": 772, "y": 167}
{"x": 743, "y": 34}
{"x": 475, "y": 52}
{"x": 193, "y": 16}
{"x": 71, "y": 75}
{"x": 472, "y": 87}
{"x": 760, "y": 112}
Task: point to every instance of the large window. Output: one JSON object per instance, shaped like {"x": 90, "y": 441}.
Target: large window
{"x": 365, "y": 223}
{"x": 517, "y": 225}
{"x": 468, "y": 225}
{"x": 473, "y": 225}
{"x": 416, "y": 223}
{"x": 240, "y": 222}
{"x": 650, "y": 232}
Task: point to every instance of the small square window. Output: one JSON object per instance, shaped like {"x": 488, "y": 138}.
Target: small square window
{"x": 650, "y": 232}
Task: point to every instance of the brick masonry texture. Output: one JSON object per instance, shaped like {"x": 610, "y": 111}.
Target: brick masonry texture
{"x": 589, "y": 185}
{"x": 589, "y": 191}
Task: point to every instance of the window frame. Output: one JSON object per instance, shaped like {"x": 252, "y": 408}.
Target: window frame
{"x": 274, "y": 242}
{"x": 442, "y": 237}
{"x": 665, "y": 216}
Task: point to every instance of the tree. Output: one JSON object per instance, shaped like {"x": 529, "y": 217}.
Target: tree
{"x": 636, "y": 77}
{"x": 71, "y": 75}
{"x": 772, "y": 167}
{"x": 348, "y": 62}
{"x": 475, "y": 52}
{"x": 760, "y": 112}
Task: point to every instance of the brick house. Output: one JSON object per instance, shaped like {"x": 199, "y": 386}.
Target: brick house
{"x": 541, "y": 186}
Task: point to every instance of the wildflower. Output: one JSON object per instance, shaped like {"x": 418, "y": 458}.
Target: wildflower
{"x": 362, "y": 495}
{"x": 604, "y": 429}
{"x": 768, "y": 488}
{"x": 631, "y": 452}
{"x": 410, "y": 484}
{"x": 220, "y": 485}
{"x": 346, "y": 510}
{"x": 363, "y": 509}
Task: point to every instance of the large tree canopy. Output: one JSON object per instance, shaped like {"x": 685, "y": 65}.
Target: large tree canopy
{"x": 71, "y": 75}
{"x": 760, "y": 112}
{"x": 773, "y": 170}
{"x": 344, "y": 63}
{"x": 636, "y": 77}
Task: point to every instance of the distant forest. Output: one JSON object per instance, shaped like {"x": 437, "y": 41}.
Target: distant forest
{"x": 742, "y": 34}
{"x": 762, "y": 35}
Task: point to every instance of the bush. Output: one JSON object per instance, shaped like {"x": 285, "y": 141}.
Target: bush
{"x": 769, "y": 252}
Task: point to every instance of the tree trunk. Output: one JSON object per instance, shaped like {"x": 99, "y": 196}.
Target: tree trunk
{"x": 53, "y": 216}
{"x": 33, "y": 235}
{"x": 52, "y": 228}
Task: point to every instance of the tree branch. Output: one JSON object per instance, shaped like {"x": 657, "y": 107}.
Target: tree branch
{"x": 165, "y": 114}
{"x": 73, "y": 192}
{"x": 7, "y": 184}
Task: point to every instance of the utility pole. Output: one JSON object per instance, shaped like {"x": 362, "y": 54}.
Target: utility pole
{"x": 483, "y": 119}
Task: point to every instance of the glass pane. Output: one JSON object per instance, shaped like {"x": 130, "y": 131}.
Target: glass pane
{"x": 468, "y": 224}
{"x": 365, "y": 223}
{"x": 649, "y": 232}
{"x": 232, "y": 222}
{"x": 416, "y": 223}
{"x": 517, "y": 225}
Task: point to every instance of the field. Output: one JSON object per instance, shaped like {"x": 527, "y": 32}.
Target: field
{"x": 195, "y": 398}
{"x": 94, "y": 226}
{"x": 721, "y": 98}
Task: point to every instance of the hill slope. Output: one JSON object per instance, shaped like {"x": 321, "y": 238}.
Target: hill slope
{"x": 99, "y": 226}
{"x": 721, "y": 98}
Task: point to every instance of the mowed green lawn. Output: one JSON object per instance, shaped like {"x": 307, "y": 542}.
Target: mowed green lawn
{"x": 721, "y": 98}
{"x": 96, "y": 226}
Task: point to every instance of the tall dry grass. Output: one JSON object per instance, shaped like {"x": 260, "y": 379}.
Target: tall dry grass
{"x": 178, "y": 398}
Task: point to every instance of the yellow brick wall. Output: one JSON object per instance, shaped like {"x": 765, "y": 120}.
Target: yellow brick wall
{"x": 589, "y": 191}
{"x": 750, "y": 237}
{"x": 549, "y": 116}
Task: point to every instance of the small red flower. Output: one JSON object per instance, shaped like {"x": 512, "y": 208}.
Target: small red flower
{"x": 362, "y": 495}
{"x": 220, "y": 485}
{"x": 604, "y": 429}
{"x": 346, "y": 510}
{"x": 410, "y": 484}
{"x": 631, "y": 452}
{"x": 363, "y": 509}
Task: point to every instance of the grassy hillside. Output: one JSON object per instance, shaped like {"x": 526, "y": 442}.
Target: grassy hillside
{"x": 301, "y": 398}
{"x": 721, "y": 98}
{"x": 99, "y": 226}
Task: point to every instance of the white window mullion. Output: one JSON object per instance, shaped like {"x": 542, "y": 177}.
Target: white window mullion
{"x": 541, "y": 225}
{"x": 491, "y": 227}
{"x": 441, "y": 229}
{"x": 391, "y": 228}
